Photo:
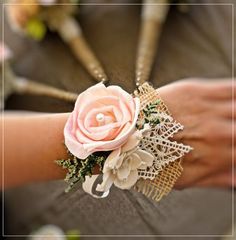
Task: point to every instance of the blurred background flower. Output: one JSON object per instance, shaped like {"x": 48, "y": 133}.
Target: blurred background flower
{"x": 53, "y": 232}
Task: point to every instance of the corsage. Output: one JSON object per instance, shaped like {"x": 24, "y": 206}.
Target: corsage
{"x": 128, "y": 137}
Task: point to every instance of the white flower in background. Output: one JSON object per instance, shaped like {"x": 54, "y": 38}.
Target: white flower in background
{"x": 47, "y": 232}
{"x": 121, "y": 166}
{"x": 47, "y": 2}
{"x": 54, "y": 2}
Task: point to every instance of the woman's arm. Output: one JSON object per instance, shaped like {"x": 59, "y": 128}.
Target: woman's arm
{"x": 29, "y": 146}
{"x": 31, "y": 143}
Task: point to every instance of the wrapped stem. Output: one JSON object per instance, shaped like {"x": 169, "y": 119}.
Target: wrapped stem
{"x": 153, "y": 17}
{"x": 58, "y": 18}
{"x": 24, "y": 86}
{"x": 11, "y": 83}
{"x": 71, "y": 33}
{"x": 86, "y": 56}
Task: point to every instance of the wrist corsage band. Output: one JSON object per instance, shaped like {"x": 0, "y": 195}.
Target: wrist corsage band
{"x": 127, "y": 137}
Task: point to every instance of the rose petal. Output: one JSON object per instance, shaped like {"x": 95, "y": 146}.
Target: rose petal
{"x": 90, "y": 120}
{"x": 124, "y": 96}
{"x": 97, "y": 102}
{"x": 96, "y": 96}
{"x": 120, "y": 139}
{"x": 97, "y": 105}
{"x": 117, "y": 113}
{"x": 81, "y": 137}
{"x": 108, "y": 131}
{"x": 105, "y": 135}
{"x": 91, "y": 94}
{"x": 73, "y": 145}
{"x": 125, "y": 128}
{"x": 127, "y": 116}
{"x": 129, "y": 182}
{"x": 97, "y": 133}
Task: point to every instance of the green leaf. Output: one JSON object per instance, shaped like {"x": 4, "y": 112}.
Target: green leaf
{"x": 36, "y": 29}
{"x": 78, "y": 169}
{"x": 73, "y": 234}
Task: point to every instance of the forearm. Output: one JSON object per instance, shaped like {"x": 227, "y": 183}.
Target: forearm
{"x": 29, "y": 146}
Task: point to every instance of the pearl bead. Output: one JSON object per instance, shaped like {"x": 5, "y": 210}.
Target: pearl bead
{"x": 100, "y": 117}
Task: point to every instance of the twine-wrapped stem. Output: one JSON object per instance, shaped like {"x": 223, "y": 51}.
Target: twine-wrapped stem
{"x": 84, "y": 54}
{"x": 153, "y": 15}
{"x": 149, "y": 36}
{"x": 25, "y": 86}
{"x": 70, "y": 31}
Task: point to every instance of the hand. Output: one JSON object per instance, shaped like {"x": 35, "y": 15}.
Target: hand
{"x": 207, "y": 111}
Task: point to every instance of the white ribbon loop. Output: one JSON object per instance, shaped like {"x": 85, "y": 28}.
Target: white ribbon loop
{"x": 89, "y": 185}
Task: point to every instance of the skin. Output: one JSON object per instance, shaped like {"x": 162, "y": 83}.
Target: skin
{"x": 205, "y": 108}
{"x": 29, "y": 147}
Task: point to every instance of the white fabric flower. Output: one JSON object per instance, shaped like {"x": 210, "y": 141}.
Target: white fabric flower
{"x": 121, "y": 166}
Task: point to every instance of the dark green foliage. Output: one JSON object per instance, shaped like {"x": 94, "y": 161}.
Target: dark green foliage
{"x": 150, "y": 113}
{"x": 79, "y": 168}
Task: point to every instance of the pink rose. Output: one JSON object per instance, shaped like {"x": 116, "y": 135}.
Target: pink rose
{"x": 102, "y": 120}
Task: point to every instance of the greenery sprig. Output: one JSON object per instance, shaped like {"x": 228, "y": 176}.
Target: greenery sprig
{"x": 78, "y": 169}
{"x": 149, "y": 115}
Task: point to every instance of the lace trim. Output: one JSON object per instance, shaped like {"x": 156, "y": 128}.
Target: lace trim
{"x": 158, "y": 180}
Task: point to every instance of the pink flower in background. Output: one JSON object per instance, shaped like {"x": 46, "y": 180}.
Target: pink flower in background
{"x": 102, "y": 120}
{"x": 5, "y": 52}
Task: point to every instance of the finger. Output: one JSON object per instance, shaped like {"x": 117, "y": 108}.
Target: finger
{"x": 194, "y": 171}
{"x": 226, "y": 109}
{"x": 225, "y": 179}
{"x": 220, "y": 90}
{"x": 213, "y": 159}
{"x": 207, "y": 131}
